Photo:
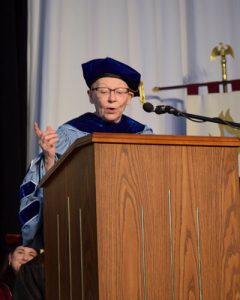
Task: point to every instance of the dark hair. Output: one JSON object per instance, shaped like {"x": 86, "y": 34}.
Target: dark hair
{"x": 7, "y": 274}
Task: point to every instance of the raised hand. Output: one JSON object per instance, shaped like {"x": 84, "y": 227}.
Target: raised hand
{"x": 47, "y": 141}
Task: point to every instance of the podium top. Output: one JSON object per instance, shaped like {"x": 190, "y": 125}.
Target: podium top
{"x": 155, "y": 139}
{"x": 144, "y": 139}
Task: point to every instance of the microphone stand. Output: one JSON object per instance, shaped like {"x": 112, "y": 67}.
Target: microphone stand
{"x": 160, "y": 109}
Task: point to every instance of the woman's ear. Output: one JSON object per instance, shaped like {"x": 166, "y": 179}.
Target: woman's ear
{"x": 130, "y": 98}
{"x": 90, "y": 96}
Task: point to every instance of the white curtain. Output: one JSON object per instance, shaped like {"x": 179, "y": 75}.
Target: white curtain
{"x": 168, "y": 41}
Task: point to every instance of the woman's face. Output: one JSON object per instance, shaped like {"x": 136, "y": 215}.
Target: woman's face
{"x": 20, "y": 256}
{"x": 110, "y": 97}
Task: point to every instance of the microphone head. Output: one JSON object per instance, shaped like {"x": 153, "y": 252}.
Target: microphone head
{"x": 148, "y": 107}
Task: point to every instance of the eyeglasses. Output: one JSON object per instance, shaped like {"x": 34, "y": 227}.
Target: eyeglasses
{"x": 105, "y": 91}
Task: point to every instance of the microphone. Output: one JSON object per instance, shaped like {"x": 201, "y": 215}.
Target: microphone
{"x": 148, "y": 107}
{"x": 162, "y": 109}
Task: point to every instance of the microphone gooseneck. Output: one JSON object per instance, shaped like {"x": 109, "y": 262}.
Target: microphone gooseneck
{"x": 162, "y": 109}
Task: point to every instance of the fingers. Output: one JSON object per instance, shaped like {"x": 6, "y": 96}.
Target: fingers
{"x": 40, "y": 133}
{"x": 47, "y": 138}
{"x": 37, "y": 129}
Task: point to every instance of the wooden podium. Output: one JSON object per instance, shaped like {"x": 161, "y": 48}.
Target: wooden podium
{"x": 143, "y": 217}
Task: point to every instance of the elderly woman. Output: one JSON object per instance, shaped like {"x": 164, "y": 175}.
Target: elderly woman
{"x": 112, "y": 85}
{"x": 17, "y": 255}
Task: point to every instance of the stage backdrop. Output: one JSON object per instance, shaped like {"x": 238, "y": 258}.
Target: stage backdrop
{"x": 220, "y": 105}
{"x": 169, "y": 42}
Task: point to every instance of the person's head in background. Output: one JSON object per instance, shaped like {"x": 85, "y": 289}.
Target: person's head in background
{"x": 17, "y": 253}
{"x": 15, "y": 256}
{"x": 112, "y": 85}
{"x": 20, "y": 255}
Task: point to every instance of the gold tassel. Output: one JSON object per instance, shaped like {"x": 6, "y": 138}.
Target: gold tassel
{"x": 141, "y": 93}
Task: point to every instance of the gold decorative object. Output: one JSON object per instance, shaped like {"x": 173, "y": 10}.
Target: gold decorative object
{"x": 222, "y": 51}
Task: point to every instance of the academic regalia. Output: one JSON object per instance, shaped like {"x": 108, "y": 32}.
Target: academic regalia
{"x": 30, "y": 195}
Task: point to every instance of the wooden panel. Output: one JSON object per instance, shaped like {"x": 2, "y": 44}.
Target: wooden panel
{"x": 70, "y": 230}
{"x": 193, "y": 189}
{"x": 55, "y": 237}
{"x": 143, "y": 139}
{"x": 129, "y": 219}
{"x": 205, "y": 186}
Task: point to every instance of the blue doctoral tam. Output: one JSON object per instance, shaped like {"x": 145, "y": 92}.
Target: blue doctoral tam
{"x": 108, "y": 67}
